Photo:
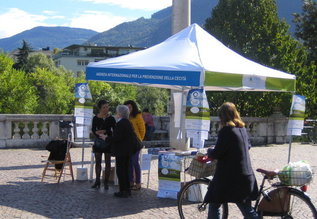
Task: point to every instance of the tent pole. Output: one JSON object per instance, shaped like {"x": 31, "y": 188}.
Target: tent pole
{"x": 289, "y": 148}
{"x": 184, "y": 140}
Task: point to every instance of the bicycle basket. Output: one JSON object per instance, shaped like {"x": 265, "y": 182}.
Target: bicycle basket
{"x": 296, "y": 174}
{"x": 295, "y": 178}
{"x": 200, "y": 170}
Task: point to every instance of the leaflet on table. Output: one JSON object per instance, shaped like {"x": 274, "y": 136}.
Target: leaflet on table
{"x": 297, "y": 116}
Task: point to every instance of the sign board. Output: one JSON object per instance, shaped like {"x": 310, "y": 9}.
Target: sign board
{"x": 297, "y": 116}
{"x": 169, "y": 174}
{"x": 83, "y": 110}
{"x": 197, "y": 117}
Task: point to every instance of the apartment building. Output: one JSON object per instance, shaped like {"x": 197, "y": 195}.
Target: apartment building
{"x": 76, "y": 57}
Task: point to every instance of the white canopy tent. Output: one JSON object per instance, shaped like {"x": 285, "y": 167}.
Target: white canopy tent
{"x": 189, "y": 59}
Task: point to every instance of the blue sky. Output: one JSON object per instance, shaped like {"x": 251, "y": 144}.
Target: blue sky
{"x": 99, "y": 15}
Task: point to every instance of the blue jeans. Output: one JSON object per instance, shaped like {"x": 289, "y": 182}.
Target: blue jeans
{"x": 245, "y": 208}
{"x": 135, "y": 168}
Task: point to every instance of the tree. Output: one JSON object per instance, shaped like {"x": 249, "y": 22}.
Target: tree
{"x": 306, "y": 32}
{"x": 39, "y": 60}
{"x": 155, "y": 99}
{"x": 252, "y": 28}
{"x": 6, "y": 63}
{"x": 22, "y": 56}
{"x": 17, "y": 94}
{"x": 306, "y": 28}
{"x": 56, "y": 95}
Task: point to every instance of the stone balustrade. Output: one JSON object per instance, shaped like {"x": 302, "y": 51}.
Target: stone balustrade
{"x": 18, "y": 130}
{"x": 24, "y": 130}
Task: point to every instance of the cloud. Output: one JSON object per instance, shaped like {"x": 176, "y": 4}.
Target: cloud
{"x": 49, "y": 12}
{"x": 15, "y": 21}
{"x": 96, "y": 20}
{"x": 148, "y": 5}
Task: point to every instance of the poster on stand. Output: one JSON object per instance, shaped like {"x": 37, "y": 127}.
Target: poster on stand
{"x": 169, "y": 174}
{"x": 83, "y": 110}
{"x": 197, "y": 117}
{"x": 297, "y": 116}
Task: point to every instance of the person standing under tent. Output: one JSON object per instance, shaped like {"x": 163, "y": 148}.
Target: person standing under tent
{"x": 139, "y": 129}
{"x": 234, "y": 180}
{"x": 122, "y": 142}
{"x": 149, "y": 124}
{"x": 102, "y": 123}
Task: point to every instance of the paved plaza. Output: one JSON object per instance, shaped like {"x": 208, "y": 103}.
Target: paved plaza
{"x": 22, "y": 195}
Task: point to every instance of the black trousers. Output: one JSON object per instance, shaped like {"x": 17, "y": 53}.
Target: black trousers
{"x": 122, "y": 169}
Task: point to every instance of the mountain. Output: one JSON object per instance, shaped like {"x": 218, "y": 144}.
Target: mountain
{"x": 42, "y": 37}
{"x": 148, "y": 32}
{"x": 140, "y": 33}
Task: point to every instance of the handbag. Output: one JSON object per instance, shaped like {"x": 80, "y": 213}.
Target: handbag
{"x": 101, "y": 145}
{"x": 137, "y": 145}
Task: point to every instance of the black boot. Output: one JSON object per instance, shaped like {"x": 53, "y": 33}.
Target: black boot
{"x": 96, "y": 185}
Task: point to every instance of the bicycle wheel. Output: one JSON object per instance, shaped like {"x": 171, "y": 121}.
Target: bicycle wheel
{"x": 190, "y": 200}
{"x": 300, "y": 206}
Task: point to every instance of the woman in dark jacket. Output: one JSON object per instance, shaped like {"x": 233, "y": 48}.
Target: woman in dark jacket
{"x": 122, "y": 140}
{"x": 102, "y": 123}
{"x": 234, "y": 180}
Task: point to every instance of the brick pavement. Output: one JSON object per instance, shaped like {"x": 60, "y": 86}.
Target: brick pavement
{"x": 22, "y": 195}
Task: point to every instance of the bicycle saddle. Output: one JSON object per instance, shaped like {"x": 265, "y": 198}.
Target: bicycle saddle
{"x": 268, "y": 173}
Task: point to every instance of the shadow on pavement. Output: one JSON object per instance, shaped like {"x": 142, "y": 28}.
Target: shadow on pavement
{"x": 76, "y": 199}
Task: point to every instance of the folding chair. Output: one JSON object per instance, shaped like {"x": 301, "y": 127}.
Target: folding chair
{"x": 64, "y": 165}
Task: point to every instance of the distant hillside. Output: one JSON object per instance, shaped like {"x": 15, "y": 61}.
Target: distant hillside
{"x": 42, "y": 37}
{"x": 141, "y": 32}
{"x": 148, "y": 32}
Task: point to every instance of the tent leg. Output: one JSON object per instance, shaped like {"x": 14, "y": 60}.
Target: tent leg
{"x": 289, "y": 148}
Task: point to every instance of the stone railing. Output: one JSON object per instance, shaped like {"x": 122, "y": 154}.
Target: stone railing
{"x": 37, "y": 130}
{"x": 24, "y": 130}
{"x": 262, "y": 131}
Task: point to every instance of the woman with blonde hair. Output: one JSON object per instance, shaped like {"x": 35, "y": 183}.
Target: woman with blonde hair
{"x": 234, "y": 180}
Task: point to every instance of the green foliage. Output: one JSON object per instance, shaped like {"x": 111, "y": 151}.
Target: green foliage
{"x": 114, "y": 93}
{"x": 120, "y": 93}
{"x": 54, "y": 86}
{"x": 6, "y": 63}
{"x": 252, "y": 28}
{"x": 17, "y": 95}
{"x": 56, "y": 96}
{"x": 251, "y": 104}
{"x": 306, "y": 27}
{"x": 155, "y": 99}
{"x": 39, "y": 60}
{"x": 22, "y": 56}
{"x": 306, "y": 32}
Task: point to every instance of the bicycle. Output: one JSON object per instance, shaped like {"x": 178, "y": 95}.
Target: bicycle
{"x": 276, "y": 200}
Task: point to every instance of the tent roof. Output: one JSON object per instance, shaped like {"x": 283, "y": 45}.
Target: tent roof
{"x": 191, "y": 58}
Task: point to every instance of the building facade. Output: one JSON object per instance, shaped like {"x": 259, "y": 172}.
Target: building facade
{"x": 76, "y": 57}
